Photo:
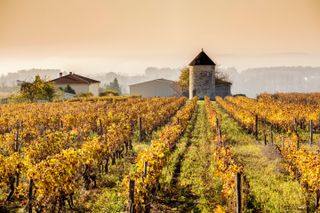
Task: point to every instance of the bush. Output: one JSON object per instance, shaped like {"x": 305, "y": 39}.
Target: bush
{"x": 109, "y": 93}
{"x": 88, "y": 94}
{"x": 68, "y": 89}
{"x": 38, "y": 90}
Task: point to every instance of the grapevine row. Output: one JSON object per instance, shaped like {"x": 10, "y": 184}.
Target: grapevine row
{"x": 227, "y": 169}
{"x": 157, "y": 155}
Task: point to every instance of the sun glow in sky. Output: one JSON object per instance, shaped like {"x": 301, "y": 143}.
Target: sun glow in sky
{"x": 127, "y": 36}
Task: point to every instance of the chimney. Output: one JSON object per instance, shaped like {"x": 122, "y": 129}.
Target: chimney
{"x": 70, "y": 73}
{"x": 60, "y": 74}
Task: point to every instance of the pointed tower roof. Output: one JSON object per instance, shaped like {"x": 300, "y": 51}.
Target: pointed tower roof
{"x": 202, "y": 59}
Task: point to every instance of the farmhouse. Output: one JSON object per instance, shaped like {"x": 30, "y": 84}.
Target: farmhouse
{"x": 78, "y": 83}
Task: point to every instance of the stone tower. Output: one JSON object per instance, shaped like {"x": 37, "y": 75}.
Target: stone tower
{"x": 202, "y": 77}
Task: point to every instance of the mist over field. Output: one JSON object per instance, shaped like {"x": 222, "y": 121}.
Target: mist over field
{"x": 249, "y": 81}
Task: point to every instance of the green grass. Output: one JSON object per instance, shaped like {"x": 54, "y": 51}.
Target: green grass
{"x": 188, "y": 183}
{"x": 196, "y": 171}
{"x": 271, "y": 188}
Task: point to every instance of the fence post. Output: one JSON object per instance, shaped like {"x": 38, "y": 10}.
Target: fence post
{"x": 238, "y": 193}
{"x": 256, "y": 127}
{"x": 131, "y": 197}
{"x": 30, "y": 196}
{"x": 311, "y": 132}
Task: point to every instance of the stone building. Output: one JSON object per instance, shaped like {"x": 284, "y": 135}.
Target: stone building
{"x": 202, "y": 76}
{"x": 202, "y": 81}
{"x": 223, "y": 88}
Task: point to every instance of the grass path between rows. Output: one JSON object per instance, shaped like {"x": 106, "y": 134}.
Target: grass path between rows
{"x": 188, "y": 183}
{"x": 271, "y": 189}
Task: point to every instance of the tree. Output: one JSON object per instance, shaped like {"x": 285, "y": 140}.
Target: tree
{"x": 184, "y": 78}
{"x": 114, "y": 86}
{"x": 37, "y": 90}
{"x": 68, "y": 89}
{"x": 109, "y": 93}
{"x": 221, "y": 75}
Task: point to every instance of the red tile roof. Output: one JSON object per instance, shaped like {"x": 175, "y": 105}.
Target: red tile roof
{"x": 74, "y": 79}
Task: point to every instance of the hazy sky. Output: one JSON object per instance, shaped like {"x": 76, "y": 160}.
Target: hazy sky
{"x": 129, "y": 35}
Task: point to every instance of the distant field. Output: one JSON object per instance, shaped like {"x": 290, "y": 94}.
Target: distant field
{"x": 5, "y": 94}
{"x": 162, "y": 155}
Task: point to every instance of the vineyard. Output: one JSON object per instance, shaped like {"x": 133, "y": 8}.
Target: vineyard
{"x": 132, "y": 154}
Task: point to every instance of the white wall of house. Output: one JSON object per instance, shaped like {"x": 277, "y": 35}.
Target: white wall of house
{"x": 94, "y": 89}
{"x": 78, "y": 88}
{"x": 154, "y": 88}
{"x": 83, "y": 88}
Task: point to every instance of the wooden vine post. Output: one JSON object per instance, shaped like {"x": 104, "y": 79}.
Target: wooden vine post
{"x": 144, "y": 175}
{"x": 17, "y": 137}
{"x": 30, "y": 196}
{"x": 295, "y": 125}
{"x": 219, "y": 132}
{"x": 131, "y": 197}
{"x": 101, "y": 127}
{"x": 311, "y": 132}
{"x": 145, "y": 169}
{"x": 220, "y": 136}
{"x": 271, "y": 134}
{"x": 140, "y": 128}
{"x": 106, "y": 167}
{"x": 238, "y": 193}
{"x": 319, "y": 122}
{"x": 295, "y": 129}
{"x": 317, "y": 199}
{"x": 308, "y": 207}
{"x": 217, "y": 124}
{"x": 256, "y": 127}
{"x": 264, "y": 131}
